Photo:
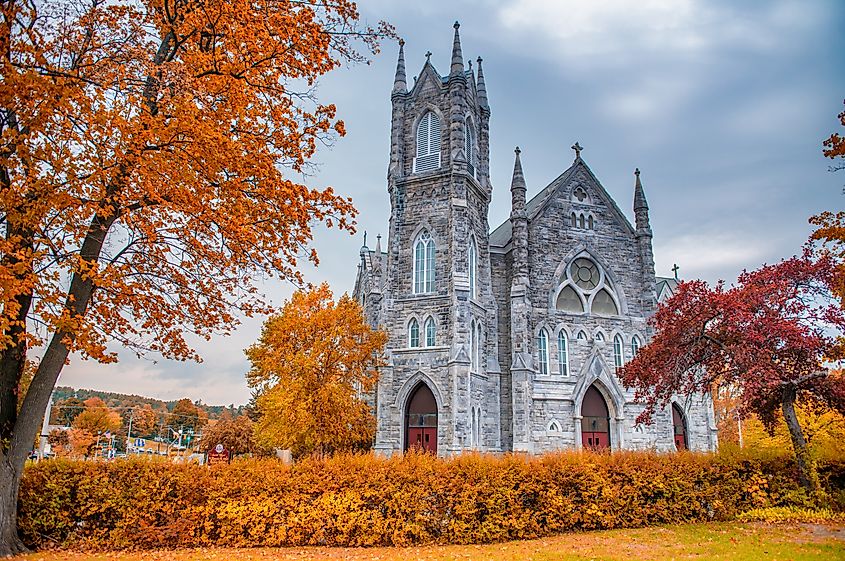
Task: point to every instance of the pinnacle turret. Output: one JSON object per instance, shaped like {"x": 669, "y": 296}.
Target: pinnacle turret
{"x": 399, "y": 82}
{"x": 518, "y": 181}
{"x": 457, "y": 67}
{"x": 481, "y": 87}
{"x": 641, "y": 206}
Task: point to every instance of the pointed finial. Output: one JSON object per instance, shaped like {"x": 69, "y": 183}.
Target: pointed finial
{"x": 378, "y": 245}
{"x": 518, "y": 181}
{"x": 480, "y": 86}
{"x": 457, "y": 57}
{"x": 400, "y": 84}
{"x": 640, "y": 202}
{"x": 365, "y": 238}
{"x": 577, "y": 147}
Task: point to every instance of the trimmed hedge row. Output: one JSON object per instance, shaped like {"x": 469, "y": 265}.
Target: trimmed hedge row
{"x": 415, "y": 499}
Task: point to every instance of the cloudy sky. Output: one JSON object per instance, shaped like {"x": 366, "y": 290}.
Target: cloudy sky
{"x": 722, "y": 105}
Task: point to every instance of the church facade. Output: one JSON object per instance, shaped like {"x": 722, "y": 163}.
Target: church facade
{"x": 510, "y": 339}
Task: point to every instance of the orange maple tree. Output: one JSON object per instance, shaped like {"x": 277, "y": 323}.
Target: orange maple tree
{"x": 312, "y": 365}
{"x": 146, "y": 155}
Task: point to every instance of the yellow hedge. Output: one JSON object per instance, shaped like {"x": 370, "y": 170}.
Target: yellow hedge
{"x": 364, "y": 500}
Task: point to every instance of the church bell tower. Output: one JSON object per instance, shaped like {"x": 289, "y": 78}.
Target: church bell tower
{"x": 438, "y": 306}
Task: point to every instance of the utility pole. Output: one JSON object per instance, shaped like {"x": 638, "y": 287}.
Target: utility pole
{"x": 45, "y": 426}
{"x": 129, "y": 430}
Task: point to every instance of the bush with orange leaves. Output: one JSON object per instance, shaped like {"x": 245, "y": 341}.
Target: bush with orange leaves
{"x": 364, "y": 500}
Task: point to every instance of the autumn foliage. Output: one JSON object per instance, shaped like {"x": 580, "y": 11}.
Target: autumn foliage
{"x": 311, "y": 367}
{"x": 405, "y": 500}
{"x": 767, "y": 339}
{"x": 149, "y": 157}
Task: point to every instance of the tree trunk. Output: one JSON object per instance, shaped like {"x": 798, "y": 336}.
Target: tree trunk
{"x": 10, "y": 479}
{"x": 37, "y": 397}
{"x": 807, "y": 475}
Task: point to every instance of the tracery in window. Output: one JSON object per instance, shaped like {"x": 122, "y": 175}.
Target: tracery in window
{"x": 470, "y": 146}
{"x": 471, "y": 265}
{"x": 603, "y": 304}
{"x": 563, "y": 352}
{"x": 635, "y": 345}
{"x": 424, "y": 263}
{"x": 414, "y": 333}
{"x": 543, "y": 351}
{"x": 428, "y": 143}
{"x": 580, "y": 195}
{"x": 586, "y": 282}
{"x": 581, "y": 336}
{"x": 569, "y": 301}
{"x": 618, "y": 359}
{"x": 600, "y": 337}
{"x": 429, "y": 331}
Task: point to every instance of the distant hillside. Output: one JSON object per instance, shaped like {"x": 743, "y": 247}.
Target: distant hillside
{"x": 122, "y": 400}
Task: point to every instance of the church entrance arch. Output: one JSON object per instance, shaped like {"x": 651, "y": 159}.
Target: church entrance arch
{"x": 680, "y": 426}
{"x": 421, "y": 420}
{"x": 595, "y": 420}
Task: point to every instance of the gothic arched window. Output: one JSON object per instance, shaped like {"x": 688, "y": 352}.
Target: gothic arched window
{"x": 586, "y": 282}
{"x": 573, "y": 220}
{"x": 428, "y": 327}
{"x": 543, "y": 351}
{"x": 563, "y": 352}
{"x": 473, "y": 354}
{"x": 600, "y": 337}
{"x": 581, "y": 222}
{"x": 635, "y": 345}
{"x": 414, "y": 333}
{"x": 472, "y": 265}
{"x": 590, "y": 223}
{"x": 469, "y": 147}
{"x": 618, "y": 359}
{"x": 424, "y": 263}
{"x": 428, "y": 143}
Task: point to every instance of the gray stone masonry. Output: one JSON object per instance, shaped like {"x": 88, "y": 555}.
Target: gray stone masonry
{"x": 566, "y": 267}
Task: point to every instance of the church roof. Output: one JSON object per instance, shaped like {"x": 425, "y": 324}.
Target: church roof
{"x": 501, "y": 236}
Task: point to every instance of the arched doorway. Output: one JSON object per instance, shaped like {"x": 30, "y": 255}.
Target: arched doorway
{"x": 595, "y": 420}
{"x": 421, "y": 420}
{"x": 680, "y": 428}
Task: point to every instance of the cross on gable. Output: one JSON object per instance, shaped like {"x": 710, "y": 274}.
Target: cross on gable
{"x": 577, "y": 147}
{"x": 428, "y": 56}
{"x": 675, "y": 270}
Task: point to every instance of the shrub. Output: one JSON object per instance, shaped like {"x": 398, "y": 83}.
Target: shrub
{"x": 363, "y": 500}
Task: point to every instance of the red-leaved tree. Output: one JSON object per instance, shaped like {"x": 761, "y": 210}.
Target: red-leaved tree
{"x": 768, "y": 337}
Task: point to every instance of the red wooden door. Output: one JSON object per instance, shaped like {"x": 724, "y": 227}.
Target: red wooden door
{"x": 595, "y": 421}
{"x": 595, "y": 440}
{"x": 421, "y": 421}
{"x": 680, "y": 442}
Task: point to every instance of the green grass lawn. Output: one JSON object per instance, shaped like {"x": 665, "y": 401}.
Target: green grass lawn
{"x": 714, "y": 541}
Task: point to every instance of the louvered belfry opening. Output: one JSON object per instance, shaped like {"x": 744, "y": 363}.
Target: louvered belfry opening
{"x": 428, "y": 143}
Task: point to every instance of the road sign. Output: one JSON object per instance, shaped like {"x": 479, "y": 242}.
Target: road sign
{"x": 140, "y": 443}
{"x": 218, "y": 456}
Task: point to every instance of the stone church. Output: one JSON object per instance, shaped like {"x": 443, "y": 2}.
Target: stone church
{"x": 506, "y": 340}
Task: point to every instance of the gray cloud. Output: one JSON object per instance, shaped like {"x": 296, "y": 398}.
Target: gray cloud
{"x": 723, "y": 106}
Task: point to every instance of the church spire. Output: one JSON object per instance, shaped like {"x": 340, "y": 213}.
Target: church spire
{"x": 399, "y": 82}
{"x": 481, "y": 87}
{"x": 457, "y": 67}
{"x": 519, "y": 222}
{"x": 641, "y": 205}
{"x": 518, "y": 183}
